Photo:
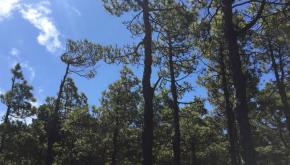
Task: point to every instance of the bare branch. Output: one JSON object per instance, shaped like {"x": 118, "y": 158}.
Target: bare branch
{"x": 156, "y": 83}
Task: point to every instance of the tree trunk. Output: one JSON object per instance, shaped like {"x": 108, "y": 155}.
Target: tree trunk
{"x": 53, "y": 121}
{"x": 6, "y": 119}
{"x": 230, "y": 115}
{"x": 280, "y": 85}
{"x": 176, "y": 137}
{"x": 248, "y": 150}
{"x": 148, "y": 91}
{"x": 115, "y": 143}
{"x": 193, "y": 160}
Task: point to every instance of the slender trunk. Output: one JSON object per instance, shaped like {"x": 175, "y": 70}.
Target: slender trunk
{"x": 115, "y": 142}
{"x": 148, "y": 91}
{"x": 53, "y": 121}
{"x": 6, "y": 123}
{"x": 193, "y": 160}
{"x": 280, "y": 85}
{"x": 248, "y": 150}
{"x": 6, "y": 119}
{"x": 230, "y": 115}
{"x": 176, "y": 137}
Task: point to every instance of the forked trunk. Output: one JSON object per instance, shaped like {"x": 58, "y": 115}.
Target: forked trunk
{"x": 248, "y": 150}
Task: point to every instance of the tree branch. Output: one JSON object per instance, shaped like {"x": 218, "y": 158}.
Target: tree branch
{"x": 253, "y": 22}
{"x": 156, "y": 83}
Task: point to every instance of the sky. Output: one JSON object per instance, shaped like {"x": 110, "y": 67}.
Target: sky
{"x": 33, "y": 33}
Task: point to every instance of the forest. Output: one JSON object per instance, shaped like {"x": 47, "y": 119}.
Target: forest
{"x": 238, "y": 50}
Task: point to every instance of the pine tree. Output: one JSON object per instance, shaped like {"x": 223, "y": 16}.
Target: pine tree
{"x": 18, "y": 100}
{"x": 80, "y": 64}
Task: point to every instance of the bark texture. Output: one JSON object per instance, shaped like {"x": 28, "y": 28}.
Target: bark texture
{"x": 239, "y": 79}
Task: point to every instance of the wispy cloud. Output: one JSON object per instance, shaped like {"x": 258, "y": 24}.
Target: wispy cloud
{"x": 30, "y": 70}
{"x": 75, "y": 10}
{"x": 40, "y": 90}
{"x": 16, "y": 58}
{"x": 39, "y": 15}
{"x": 35, "y": 104}
{"x": 14, "y": 52}
{"x": 71, "y": 9}
{"x": 7, "y": 6}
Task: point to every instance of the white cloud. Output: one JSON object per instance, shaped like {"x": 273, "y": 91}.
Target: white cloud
{"x": 40, "y": 90}
{"x": 16, "y": 58}
{"x": 38, "y": 16}
{"x": 14, "y": 52}
{"x": 35, "y": 104}
{"x": 30, "y": 70}
{"x": 71, "y": 9}
{"x": 75, "y": 10}
{"x": 7, "y": 6}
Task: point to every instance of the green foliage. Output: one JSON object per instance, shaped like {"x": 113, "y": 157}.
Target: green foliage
{"x": 193, "y": 32}
{"x": 19, "y": 97}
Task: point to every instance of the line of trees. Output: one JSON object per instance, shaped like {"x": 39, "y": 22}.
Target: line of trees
{"x": 230, "y": 46}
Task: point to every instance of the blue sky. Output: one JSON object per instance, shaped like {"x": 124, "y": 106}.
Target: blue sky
{"x": 33, "y": 32}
